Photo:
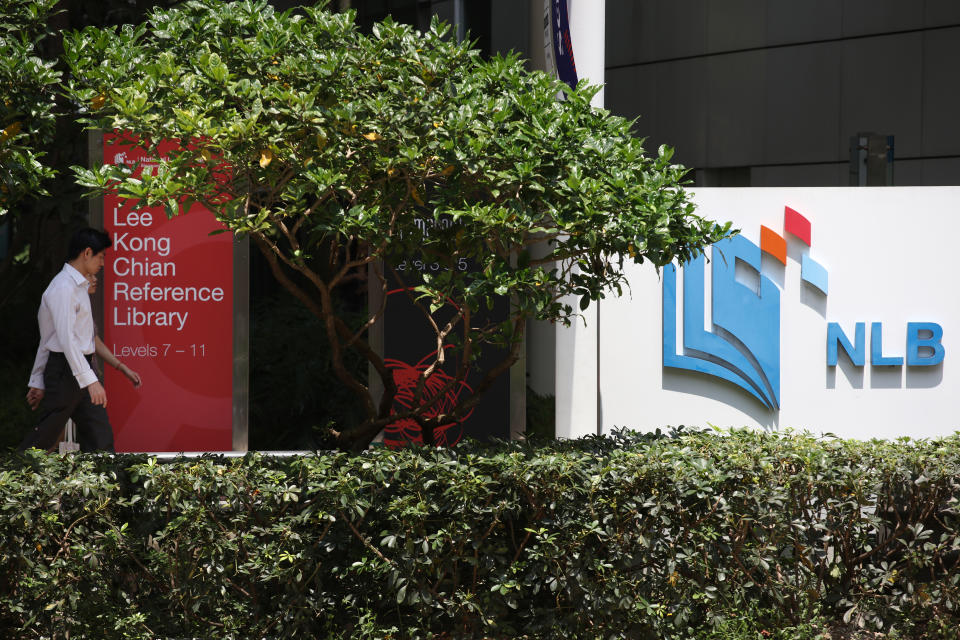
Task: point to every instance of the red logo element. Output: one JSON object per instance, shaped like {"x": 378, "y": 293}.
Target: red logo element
{"x": 796, "y": 224}
{"x": 406, "y": 430}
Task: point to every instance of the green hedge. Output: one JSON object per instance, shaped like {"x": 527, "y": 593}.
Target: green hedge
{"x": 626, "y": 537}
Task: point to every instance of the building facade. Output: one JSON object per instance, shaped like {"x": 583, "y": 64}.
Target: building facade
{"x": 761, "y": 92}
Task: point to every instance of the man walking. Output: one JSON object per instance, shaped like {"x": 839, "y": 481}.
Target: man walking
{"x": 62, "y": 381}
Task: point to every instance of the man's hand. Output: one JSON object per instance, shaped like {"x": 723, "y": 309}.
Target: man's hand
{"x": 97, "y": 394}
{"x": 34, "y": 396}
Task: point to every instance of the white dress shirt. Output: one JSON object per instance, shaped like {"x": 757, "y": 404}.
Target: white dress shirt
{"x": 66, "y": 325}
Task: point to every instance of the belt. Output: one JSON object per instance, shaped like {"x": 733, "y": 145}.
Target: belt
{"x": 59, "y": 354}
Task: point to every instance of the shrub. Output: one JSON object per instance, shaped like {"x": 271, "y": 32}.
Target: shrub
{"x": 630, "y": 536}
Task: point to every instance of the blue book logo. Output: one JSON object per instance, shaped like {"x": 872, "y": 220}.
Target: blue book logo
{"x": 742, "y": 342}
{"x": 743, "y": 346}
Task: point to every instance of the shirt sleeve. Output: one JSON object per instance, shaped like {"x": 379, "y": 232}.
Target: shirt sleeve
{"x": 64, "y": 320}
{"x": 39, "y": 364}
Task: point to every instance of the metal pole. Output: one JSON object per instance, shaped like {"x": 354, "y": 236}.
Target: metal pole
{"x": 459, "y": 19}
{"x": 240, "y": 440}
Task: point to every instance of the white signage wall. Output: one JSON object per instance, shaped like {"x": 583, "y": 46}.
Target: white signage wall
{"x": 836, "y": 310}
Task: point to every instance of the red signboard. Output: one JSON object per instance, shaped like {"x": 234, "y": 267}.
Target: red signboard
{"x": 168, "y": 313}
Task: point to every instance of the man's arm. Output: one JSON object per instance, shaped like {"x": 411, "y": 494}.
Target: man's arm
{"x": 39, "y": 364}
{"x": 35, "y": 385}
{"x": 61, "y": 304}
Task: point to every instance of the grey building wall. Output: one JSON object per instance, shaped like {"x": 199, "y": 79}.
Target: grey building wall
{"x": 769, "y": 92}
{"x": 760, "y": 92}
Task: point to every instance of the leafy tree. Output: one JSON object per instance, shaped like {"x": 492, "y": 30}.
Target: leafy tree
{"x": 341, "y": 154}
{"x": 27, "y": 111}
{"x": 29, "y": 85}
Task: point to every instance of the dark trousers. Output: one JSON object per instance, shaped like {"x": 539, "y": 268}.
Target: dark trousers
{"x": 64, "y": 399}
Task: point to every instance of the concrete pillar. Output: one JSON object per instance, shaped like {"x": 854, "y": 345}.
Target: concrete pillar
{"x": 577, "y": 346}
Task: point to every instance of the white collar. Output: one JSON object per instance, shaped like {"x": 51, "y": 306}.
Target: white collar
{"x": 78, "y": 278}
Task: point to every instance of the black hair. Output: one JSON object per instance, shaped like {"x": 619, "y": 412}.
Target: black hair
{"x": 88, "y": 238}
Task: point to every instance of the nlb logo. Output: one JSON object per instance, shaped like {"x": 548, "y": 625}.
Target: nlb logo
{"x": 742, "y": 345}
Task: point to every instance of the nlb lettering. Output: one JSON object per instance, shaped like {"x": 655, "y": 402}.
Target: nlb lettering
{"x": 924, "y": 345}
